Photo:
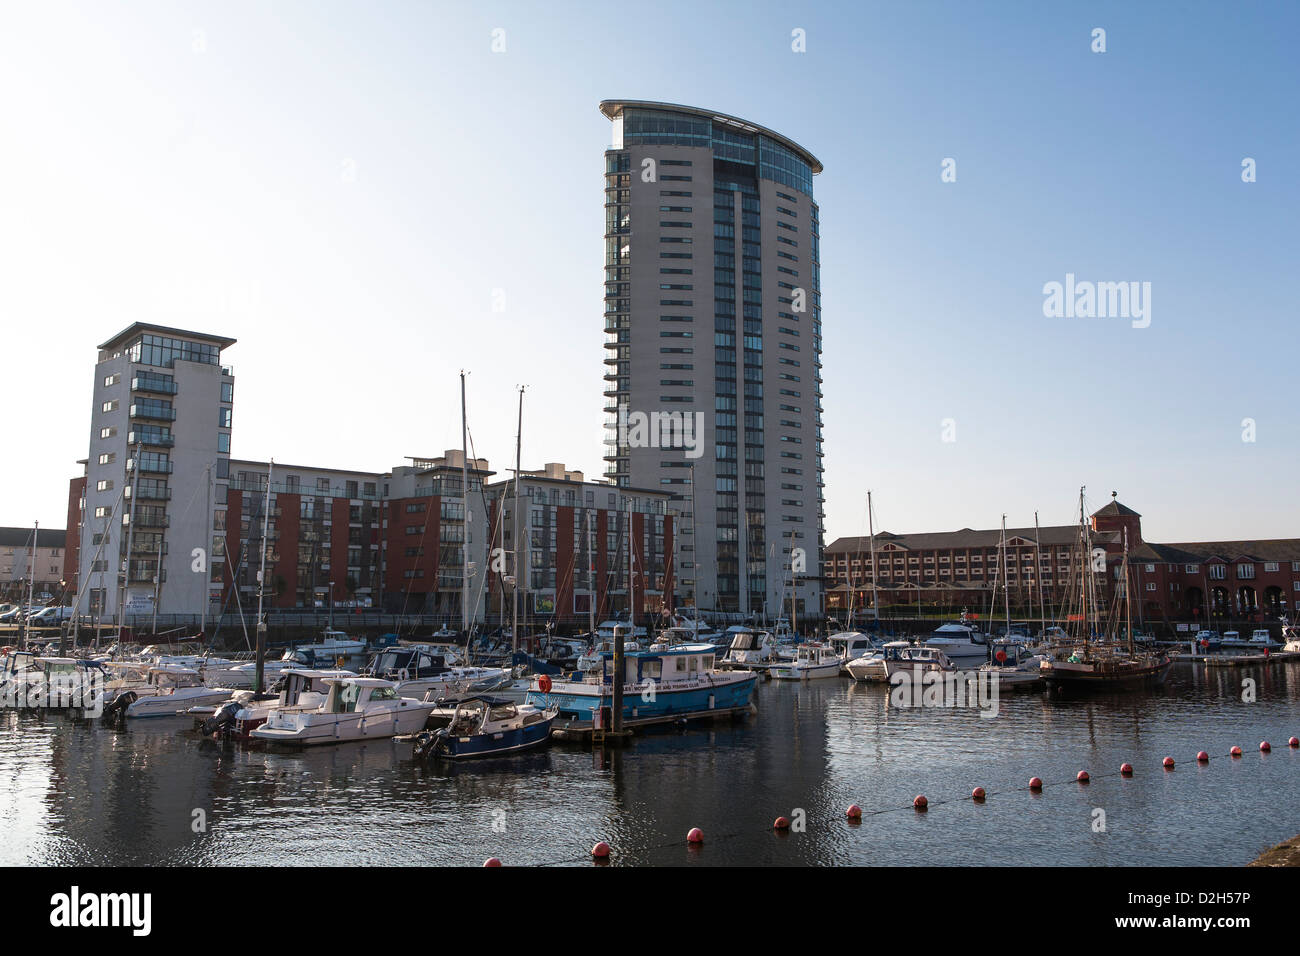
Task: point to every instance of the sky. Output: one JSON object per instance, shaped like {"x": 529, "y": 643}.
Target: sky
{"x": 370, "y": 198}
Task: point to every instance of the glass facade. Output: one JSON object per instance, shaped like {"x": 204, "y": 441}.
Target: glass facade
{"x": 163, "y": 352}
{"x": 743, "y": 157}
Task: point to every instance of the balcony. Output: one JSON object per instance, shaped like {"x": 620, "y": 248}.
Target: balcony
{"x": 153, "y": 466}
{"x": 152, "y": 492}
{"x": 149, "y": 518}
{"x": 153, "y": 410}
{"x": 156, "y": 439}
{"x": 157, "y": 384}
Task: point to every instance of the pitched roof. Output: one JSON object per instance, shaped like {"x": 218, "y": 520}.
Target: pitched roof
{"x": 1115, "y": 509}
{"x": 965, "y": 538}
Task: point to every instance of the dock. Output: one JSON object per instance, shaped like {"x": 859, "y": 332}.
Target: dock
{"x": 585, "y": 732}
{"x": 1236, "y": 660}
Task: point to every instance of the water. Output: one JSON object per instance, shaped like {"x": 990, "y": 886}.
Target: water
{"x": 84, "y": 793}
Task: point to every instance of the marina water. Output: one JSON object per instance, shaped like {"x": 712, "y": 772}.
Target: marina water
{"x": 154, "y": 793}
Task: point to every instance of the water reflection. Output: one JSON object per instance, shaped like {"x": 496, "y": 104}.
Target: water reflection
{"x": 155, "y": 794}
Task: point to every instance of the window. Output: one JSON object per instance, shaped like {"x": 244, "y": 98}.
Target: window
{"x": 223, "y": 443}
{"x": 223, "y": 418}
{"x": 109, "y": 406}
{"x": 112, "y": 379}
{"x": 227, "y": 391}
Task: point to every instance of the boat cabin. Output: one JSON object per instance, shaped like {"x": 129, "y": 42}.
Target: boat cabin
{"x": 354, "y": 694}
{"x": 682, "y": 662}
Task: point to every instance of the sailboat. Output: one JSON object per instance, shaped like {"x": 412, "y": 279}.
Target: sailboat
{"x": 1109, "y": 664}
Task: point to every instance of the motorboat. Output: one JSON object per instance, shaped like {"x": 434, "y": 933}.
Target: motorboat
{"x": 679, "y": 681}
{"x": 54, "y": 683}
{"x": 334, "y": 649}
{"x": 871, "y": 668}
{"x": 295, "y": 689}
{"x": 1015, "y": 666}
{"x": 812, "y": 661}
{"x": 590, "y": 661}
{"x": 605, "y": 630}
{"x": 749, "y": 650}
{"x": 916, "y": 660}
{"x": 1261, "y": 637}
{"x": 850, "y": 645}
{"x": 355, "y": 708}
{"x": 961, "y": 643}
{"x": 175, "y": 690}
{"x": 482, "y": 726}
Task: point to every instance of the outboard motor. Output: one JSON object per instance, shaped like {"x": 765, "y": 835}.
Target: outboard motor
{"x": 429, "y": 743}
{"x": 115, "y": 713}
{"x": 222, "y": 721}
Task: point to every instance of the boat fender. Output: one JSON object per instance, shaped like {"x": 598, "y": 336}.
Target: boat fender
{"x": 544, "y": 683}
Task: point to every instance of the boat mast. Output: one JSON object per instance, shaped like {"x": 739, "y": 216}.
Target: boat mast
{"x": 207, "y": 548}
{"x": 464, "y": 496}
{"x": 871, "y": 530}
{"x": 261, "y": 584}
{"x": 1006, "y": 582}
{"x": 1085, "y": 568}
{"x": 520, "y": 526}
{"x": 695, "y": 559}
{"x": 1038, "y": 558}
{"x": 794, "y": 594}
{"x": 1128, "y": 601}
{"x": 133, "y": 467}
{"x": 31, "y": 586}
{"x": 591, "y": 577}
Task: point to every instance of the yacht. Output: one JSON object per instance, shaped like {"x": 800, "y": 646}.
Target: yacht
{"x": 481, "y": 726}
{"x": 1262, "y": 638}
{"x": 174, "y": 690}
{"x": 679, "y": 680}
{"x": 811, "y": 662}
{"x": 606, "y": 629}
{"x": 961, "y": 643}
{"x": 591, "y": 660}
{"x": 355, "y": 708}
{"x": 54, "y": 682}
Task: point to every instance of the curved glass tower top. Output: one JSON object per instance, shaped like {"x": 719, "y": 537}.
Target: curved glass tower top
{"x": 773, "y": 156}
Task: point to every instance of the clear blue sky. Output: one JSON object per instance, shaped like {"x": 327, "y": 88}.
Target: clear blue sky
{"x": 341, "y": 186}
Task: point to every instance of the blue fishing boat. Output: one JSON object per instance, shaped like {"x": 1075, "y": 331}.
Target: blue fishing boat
{"x": 481, "y": 726}
{"x": 664, "y": 682}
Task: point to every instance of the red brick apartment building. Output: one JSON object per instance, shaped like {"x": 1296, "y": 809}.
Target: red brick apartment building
{"x": 1184, "y": 582}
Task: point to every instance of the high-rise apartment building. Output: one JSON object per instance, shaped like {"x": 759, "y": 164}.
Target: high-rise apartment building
{"x": 713, "y": 335}
{"x": 158, "y": 465}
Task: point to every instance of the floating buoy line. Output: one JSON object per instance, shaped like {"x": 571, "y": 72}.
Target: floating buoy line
{"x": 602, "y": 852}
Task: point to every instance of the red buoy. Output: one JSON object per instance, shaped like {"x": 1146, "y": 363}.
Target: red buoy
{"x": 920, "y": 802}
{"x": 1126, "y": 769}
{"x": 1235, "y": 751}
{"x": 1169, "y": 763}
{"x": 1265, "y": 747}
{"x": 492, "y": 861}
{"x": 1294, "y": 741}
{"x": 782, "y": 823}
{"x": 978, "y": 794}
{"x": 544, "y": 683}
{"x": 695, "y": 836}
{"x": 1202, "y": 757}
{"x": 601, "y": 850}
{"x": 1035, "y": 783}
{"x": 854, "y": 812}
{"x": 1083, "y": 776}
